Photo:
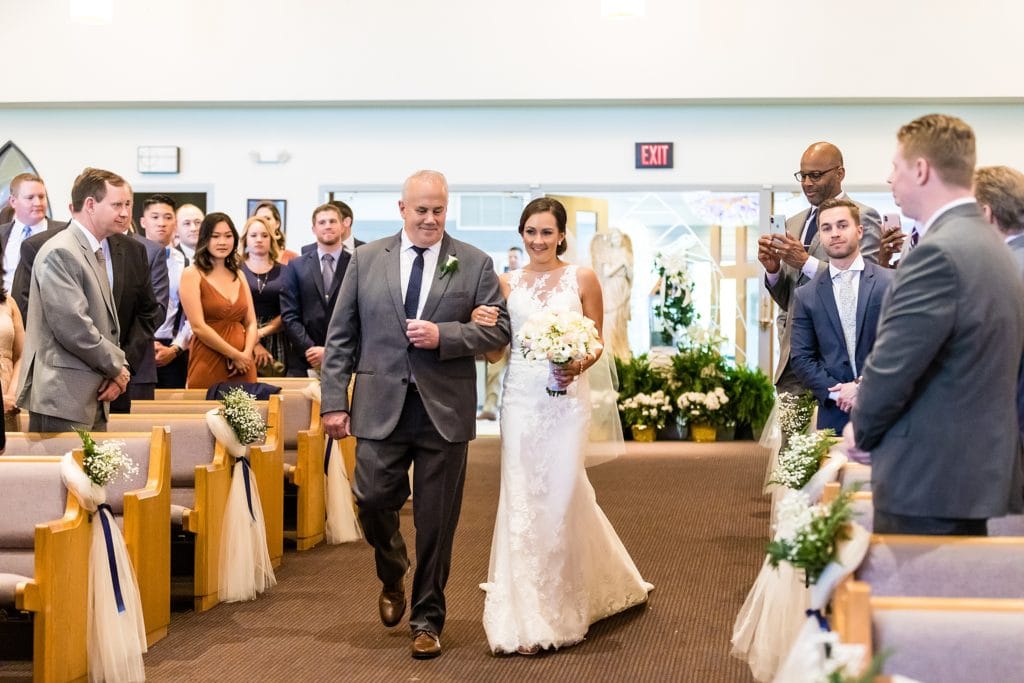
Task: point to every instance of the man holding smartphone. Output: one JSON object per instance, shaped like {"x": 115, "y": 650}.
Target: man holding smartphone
{"x": 792, "y": 258}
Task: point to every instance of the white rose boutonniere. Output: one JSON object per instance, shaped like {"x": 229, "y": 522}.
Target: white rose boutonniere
{"x": 450, "y": 265}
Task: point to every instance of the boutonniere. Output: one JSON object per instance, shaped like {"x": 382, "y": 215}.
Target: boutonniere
{"x": 450, "y": 266}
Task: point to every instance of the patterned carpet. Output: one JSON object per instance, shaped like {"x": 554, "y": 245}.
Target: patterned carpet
{"x": 691, "y": 515}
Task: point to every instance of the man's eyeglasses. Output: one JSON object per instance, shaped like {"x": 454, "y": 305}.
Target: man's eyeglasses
{"x": 813, "y": 176}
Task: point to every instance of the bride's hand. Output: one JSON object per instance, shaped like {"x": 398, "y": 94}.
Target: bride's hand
{"x": 485, "y": 315}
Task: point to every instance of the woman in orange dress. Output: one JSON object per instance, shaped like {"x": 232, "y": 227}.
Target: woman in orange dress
{"x": 218, "y": 305}
{"x": 268, "y": 212}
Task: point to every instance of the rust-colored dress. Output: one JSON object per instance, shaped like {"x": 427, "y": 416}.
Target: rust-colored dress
{"x": 206, "y": 366}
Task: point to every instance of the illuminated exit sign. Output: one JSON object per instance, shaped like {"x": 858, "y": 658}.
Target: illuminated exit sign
{"x": 654, "y": 155}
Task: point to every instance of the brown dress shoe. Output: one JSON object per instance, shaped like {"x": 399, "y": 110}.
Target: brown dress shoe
{"x": 425, "y": 645}
{"x": 392, "y": 605}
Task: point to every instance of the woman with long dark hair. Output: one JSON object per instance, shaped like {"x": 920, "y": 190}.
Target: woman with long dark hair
{"x": 219, "y": 308}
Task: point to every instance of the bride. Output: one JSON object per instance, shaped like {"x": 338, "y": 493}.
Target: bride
{"x": 557, "y": 565}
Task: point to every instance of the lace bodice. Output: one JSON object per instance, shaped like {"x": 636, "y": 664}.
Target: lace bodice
{"x": 532, "y": 292}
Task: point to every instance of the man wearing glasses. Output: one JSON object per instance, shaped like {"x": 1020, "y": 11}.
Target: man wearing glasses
{"x": 793, "y": 258}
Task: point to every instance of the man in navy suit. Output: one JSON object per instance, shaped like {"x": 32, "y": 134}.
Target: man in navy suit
{"x": 311, "y": 284}
{"x": 348, "y": 240}
{"x": 835, "y": 316}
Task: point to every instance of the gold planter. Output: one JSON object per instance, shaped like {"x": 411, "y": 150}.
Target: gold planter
{"x": 703, "y": 433}
{"x": 642, "y": 433}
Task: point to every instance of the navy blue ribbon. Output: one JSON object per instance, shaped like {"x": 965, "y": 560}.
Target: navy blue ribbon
{"x": 246, "y": 468}
{"x": 327, "y": 454}
{"x": 822, "y": 621}
{"x": 111, "y": 559}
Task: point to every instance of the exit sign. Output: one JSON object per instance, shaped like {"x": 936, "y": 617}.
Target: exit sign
{"x": 654, "y": 155}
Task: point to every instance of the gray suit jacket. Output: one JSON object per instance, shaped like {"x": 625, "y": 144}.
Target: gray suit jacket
{"x": 937, "y": 407}
{"x": 71, "y": 339}
{"x": 791, "y": 278}
{"x": 1016, "y": 246}
{"x": 366, "y": 337}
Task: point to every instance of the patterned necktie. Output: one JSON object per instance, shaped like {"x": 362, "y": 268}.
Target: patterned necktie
{"x": 412, "y": 291}
{"x": 846, "y": 302}
{"x": 915, "y": 237}
{"x": 26, "y": 232}
{"x": 101, "y": 258}
{"x": 327, "y": 271}
{"x": 812, "y": 228}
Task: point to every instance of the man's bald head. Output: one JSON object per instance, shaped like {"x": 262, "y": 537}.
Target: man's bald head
{"x": 821, "y": 168}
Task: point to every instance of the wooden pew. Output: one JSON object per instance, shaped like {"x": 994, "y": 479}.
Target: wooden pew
{"x": 51, "y": 579}
{"x": 266, "y": 459}
{"x": 140, "y": 505}
{"x": 934, "y": 639}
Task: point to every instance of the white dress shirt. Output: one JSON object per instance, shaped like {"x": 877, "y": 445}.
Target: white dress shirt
{"x": 12, "y": 252}
{"x": 857, "y": 267}
{"x": 429, "y": 267}
{"x": 350, "y": 244}
{"x": 95, "y": 244}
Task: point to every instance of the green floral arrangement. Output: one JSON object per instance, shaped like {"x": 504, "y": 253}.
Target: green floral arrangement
{"x": 802, "y": 458}
{"x": 240, "y": 412}
{"x": 103, "y": 461}
{"x": 807, "y": 535}
{"x": 646, "y": 410}
{"x": 675, "y": 310}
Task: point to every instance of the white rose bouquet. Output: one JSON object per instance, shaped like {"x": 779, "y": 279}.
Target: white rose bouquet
{"x": 558, "y": 337}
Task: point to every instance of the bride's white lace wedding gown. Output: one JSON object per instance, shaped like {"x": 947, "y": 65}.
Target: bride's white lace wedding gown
{"x": 556, "y": 565}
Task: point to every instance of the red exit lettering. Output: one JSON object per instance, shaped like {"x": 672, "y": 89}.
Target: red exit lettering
{"x": 654, "y": 155}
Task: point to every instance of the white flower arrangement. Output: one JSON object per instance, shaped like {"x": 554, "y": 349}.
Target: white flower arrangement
{"x": 795, "y": 411}
{"x": 802, "y": 458}
{"x": 647, "y": 410}
{"x": 806, "y": 535}
{"x": 700, "y": 406}
{"x": 558, "y": 337}
{"x": 105, "y": 460}
{"x": 240, "y": 411}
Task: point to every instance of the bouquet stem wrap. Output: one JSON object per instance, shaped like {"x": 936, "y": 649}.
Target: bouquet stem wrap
{"x": 116, "y": 629}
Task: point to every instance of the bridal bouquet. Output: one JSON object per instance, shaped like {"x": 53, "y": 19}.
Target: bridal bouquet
{"x": 807, "y": 535}
{"x": 103, "y": 461}
{"x": 802, "y": 458}
{"x": 558, "y": 337}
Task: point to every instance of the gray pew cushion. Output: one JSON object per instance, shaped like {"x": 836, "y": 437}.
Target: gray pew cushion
{"x": 181, "y": 499}
{"x": 8, "y": 588}
{"x": 944, "y": 570}
{"x": 33, "y": 493}
{"x": 297, "y": 409}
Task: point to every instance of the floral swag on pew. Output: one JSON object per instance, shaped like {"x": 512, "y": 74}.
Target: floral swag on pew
{"x": 342, "y": 525}
{"x": 116, "y": 630}
{"x": 245, "y": 569}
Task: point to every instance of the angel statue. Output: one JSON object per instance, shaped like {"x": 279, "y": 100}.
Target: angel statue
{"x": 612, "y": 256}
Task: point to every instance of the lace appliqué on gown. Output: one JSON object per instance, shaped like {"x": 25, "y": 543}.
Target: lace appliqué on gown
{"x": 557, "y": 564}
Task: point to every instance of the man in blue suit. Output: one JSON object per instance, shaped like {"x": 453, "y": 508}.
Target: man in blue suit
{"x": 835, "y": 316}
{"x": 310, "y": 290}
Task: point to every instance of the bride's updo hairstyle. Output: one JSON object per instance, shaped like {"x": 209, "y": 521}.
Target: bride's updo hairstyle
{"x": 546, "y": 205}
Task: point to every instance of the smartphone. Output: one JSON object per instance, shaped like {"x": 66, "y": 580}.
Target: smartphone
{"x": 890, "y": 222}
{"x": 777, "y": 222}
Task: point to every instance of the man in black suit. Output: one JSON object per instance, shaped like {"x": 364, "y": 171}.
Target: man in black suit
{"x": 348, "y": 241}
{"x": 311, "y": 284}
{"x": 29, "y": 202}
{"x": 140, "y": 296}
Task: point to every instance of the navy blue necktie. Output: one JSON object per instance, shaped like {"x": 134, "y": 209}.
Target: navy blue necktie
{"x": 812, "y": 228}
{"x": 412, "y": 291}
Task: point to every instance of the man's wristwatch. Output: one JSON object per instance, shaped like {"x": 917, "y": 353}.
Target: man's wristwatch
{"x": 177, "y": 350}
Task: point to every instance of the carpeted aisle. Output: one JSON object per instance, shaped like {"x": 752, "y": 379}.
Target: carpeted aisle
{"x": 695, "y": 523}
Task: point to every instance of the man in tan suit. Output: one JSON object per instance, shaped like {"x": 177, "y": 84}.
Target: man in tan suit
{"x": 72, "y": 365}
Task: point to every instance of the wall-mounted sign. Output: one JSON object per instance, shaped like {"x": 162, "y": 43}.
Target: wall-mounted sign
{"x": 654, "y": 155}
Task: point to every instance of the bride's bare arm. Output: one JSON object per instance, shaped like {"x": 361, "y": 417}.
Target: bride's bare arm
{"x": 593, "y": 308}
{"x": 488, "y": 317}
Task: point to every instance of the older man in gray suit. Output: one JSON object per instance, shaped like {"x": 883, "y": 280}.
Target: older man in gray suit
{"x": 72, "y": 366}
{"x": 793, "y": 258}
{"x": 402, "y": 327}
{"x": 937, "y": 405}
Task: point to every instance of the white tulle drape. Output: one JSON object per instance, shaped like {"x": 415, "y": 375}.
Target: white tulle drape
{"x": 772, "y": 616}
{"x": 342, "y": 525}
{"x": 245, "y": 570}
{"x": 116, "y": 639}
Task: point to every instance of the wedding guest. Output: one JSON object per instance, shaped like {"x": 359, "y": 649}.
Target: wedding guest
{"x": 12, "y": 341}
{"x": 190, "y": 217}
{"x": 28, "y": 202}
{"x": 1000, "y": 194}
{"x": 219, "y": 308}
{"x": 269, "y": 213}
{"x": 264, "y": 276}
{"x": 171, "y": 338}
{"x": 348, "y": 240}
{"x": 792, "y": 258}
{"x": 937, "y": 406}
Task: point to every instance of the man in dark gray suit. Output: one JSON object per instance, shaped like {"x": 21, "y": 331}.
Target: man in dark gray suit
{"x": 835, "y": 317}
{"x": 937, "y": 405}
{"x": 793, "y": 258}
{"x": 29, "y": 201}
{"x": 402, "y": 327}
